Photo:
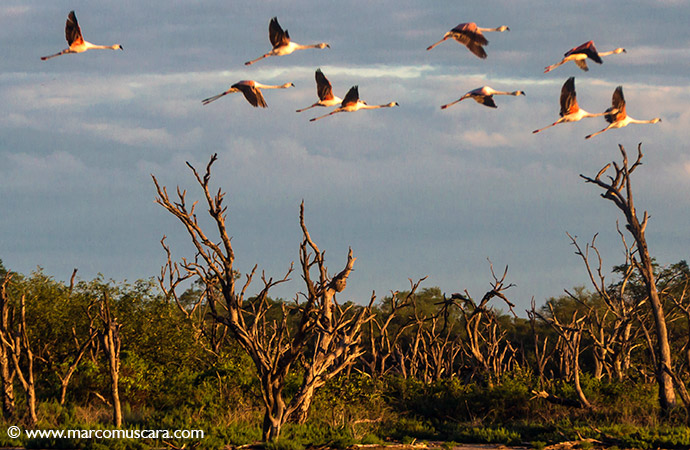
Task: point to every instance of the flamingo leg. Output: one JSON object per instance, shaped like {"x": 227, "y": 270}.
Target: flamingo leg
{"x": 452, "y": 103}
{"x": 548, "y": 126}
{"x": 325, "y": 115}
{"x": 434, "y": 45}
{"x": 56, "y": 54}
{"x": 248, "y": 63}
{"x": 308, "y": 107}
{"x": 206, "y": 101}
{"x": 598, "y": 132}
{"x": 553, "y": 66}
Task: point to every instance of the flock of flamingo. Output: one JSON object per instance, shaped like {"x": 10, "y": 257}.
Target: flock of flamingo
{"x": 468, "y": 34}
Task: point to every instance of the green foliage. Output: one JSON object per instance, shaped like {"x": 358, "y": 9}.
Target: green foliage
{"x": 169, "y": 380}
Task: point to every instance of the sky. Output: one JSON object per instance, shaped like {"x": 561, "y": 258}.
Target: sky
{"x": 415, "y": 190}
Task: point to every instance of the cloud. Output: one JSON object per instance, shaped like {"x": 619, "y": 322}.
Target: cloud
{"x": 26, "y": 172}
{"x": 415, "y": 189}
{"x": 130, "y": 135}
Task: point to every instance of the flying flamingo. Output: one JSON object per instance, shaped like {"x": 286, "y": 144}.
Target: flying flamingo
{"x": 251, "y": 91}
{"x": 616, "y": 116}
{"x": 76, "y": 41}
{"x": 325, "y": 92}
{"x": 570, "y": 111}
{"x": 580, "y": 55}
{"x": 351, "y": 103}
{"x": 471, "y": 36}
{"x": 483, "y": 95}
{"x": 282, "y": 45}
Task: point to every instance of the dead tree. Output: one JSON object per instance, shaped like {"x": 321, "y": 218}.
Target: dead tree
{"x": 408, "y": 352}
{"x": 211, "y": 334}
{"x": 7, "y": 372}
{"x": 486, "y": 345}
{"x": 618, "y": 189}
{"x": 15, "y": 340}
{"x": 570, "y": 335}
{"x": 337, "y": 331}
{"x": 681, "y": 303}
{"x": 541, "y": 354}
{"x": 109, "y": 336}
{"x": 441, "y": 347}
{"x": 611, "y": 329}
{"x": 316, "y": 332}
{"x": 382, "y": 340}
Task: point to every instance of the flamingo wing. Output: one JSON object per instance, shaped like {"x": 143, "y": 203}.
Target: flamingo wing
{"x": 72, "y": 30}
{"x": 569, "y": 98}
{"x": 582, "y": 64}
{"x": 251, "y": 93}
{"x": 277, "y": 35}
{"x": 588, "y": 49}
{"x": 323, "y": 87}
{"x": 352, "y": 96}
{"x": 486, "y": 100}
{"x": 471, "y": 37}
{"x": 616, "y": 112}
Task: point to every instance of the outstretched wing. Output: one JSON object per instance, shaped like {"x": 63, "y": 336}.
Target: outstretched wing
{"x": 72, "y": 30}
{"x": 352, "y": 96}
{"x": 251, "y": 93}
{"x": 569, "y": 98}
{"x": 471, "y": 37}
{"x": 277, "y": 35}
{"x": 616, "y": 112}
{"x": 588, "y": 49}
{"x": 485, "y": 100}
{"x": 323, "y": 87}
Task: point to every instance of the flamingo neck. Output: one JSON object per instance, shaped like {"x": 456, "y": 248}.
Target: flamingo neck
{"x": 655, "y": 120}
{"x": 387, "y": 105}
{"x": 103, "y": 47}
{"x": 272, "y": 86}
{"x": 612, "y": 52}
{"x": 302, "y": 47}
{"x": 499, "y": 29}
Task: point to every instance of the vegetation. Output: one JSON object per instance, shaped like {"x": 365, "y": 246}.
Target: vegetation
{"x": 193, "y": 350}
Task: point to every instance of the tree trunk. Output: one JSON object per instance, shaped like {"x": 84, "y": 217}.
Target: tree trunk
{"x": 624, "y": 202}
{"x": 6, "y": 372}
{"x": 110, "y": 336}
{"x": 8, "y": 406}
{"x": 274, "y": 416}
{"x": 667, "y": 396}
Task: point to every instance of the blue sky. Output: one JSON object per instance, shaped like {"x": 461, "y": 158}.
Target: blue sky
{"x": 414, "y": 190}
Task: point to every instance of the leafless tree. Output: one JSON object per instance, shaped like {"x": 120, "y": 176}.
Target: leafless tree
{"x": 570, "y": 338}
{"x": 682, "y": 303}
{"x": 382, "y": 335}
{"x": 108, "y": 333}
{"x": 610, "y": 328}
{"x": 618, "y": 189}
{"x": 486, "y": 344}
{"x": 441, "y": 348}
{"x": 211, "y": 334}
{"x": 15, "y": 340}
{"x": 7, "y": 372}
{"x": 541, "y": 350}
{"x": 317, "y": 332}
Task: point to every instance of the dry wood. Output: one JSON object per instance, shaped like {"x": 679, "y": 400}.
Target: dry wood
{"x": 619, "y": 190}
{"x": 317, "y": 332}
